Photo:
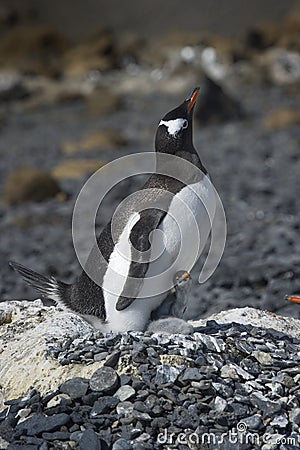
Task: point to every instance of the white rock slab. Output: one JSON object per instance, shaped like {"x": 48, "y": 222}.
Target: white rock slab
{"x": 23, "y": 362}
{"x": 255, "y": 317}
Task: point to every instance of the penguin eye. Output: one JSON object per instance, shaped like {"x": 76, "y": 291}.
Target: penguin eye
{"x": 185, "y": 124}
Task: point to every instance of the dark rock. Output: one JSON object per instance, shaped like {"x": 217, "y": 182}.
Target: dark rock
{"x": 39, "y": 423}
{"x": 24, "y": 185}
{"x": 104, "y": 405}
{"x": 112, "y": 360}
{"x": 104, "y": 379}
{"x": 89, "y": 440}
{"x": 100, "y": 356}
{"x": 191, "y": 374}
{"x": 140, "y": 406}
{"x": 253, "y": 422}
{"x": 98, "y": 53}
{"x": 102, "y": 102}
{"x": 33, "y": 50}
{"x": 90, "y": 398}
{"x": 22, "y": 447}
{"x": 262, "y": 36}
{"x": 58, "y": 435}
{"x": 121, "y": 444}
{"x": 217, "y": 105}
{"x": 268, "y": 407}
{"x": 75, "y": 388}
{"x": 12, "y": 88}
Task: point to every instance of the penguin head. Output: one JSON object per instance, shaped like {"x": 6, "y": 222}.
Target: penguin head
{"x": 175, "y": 131}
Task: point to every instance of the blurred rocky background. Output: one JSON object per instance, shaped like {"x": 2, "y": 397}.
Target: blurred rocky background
{"x": 83, "y": 83}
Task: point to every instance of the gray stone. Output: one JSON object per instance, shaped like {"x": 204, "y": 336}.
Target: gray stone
{"x": 57, "y": 435}
{"x": 104, "y": 379}
{"x": 279, "y": 421}
{"x": 220, "y": 404}
{"x": 253, "y": 422}
{"x": 168, "y": 374}
{"x": 191, "y": 374}
{"x": 89, "y": 440}
{"x": 76, "y": 435}
{"x": 58, "y": 400}
{"x": 100, "y": 356}
{"x": 125, "y": 408}
{"x": 75, "y": 388}
{"x": 268, "y": 407}
{"x": 121, "y": 444}
{"x": 38, "y": 423}
{"x": 294, "y": 415}
{"x": 124, "y": 393}
{"x": 285, "y": 379}
{"x": 104, "y": 405}
{"x": 228, "y": 371}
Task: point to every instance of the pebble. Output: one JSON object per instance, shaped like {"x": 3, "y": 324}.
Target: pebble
{"x": 191, "y": 374}
{"x": 124, "y": 393}
{"x": 125, "y": 408}
{"x": 104, "y": 405}
{"x": 89, "y": 440}
{"x": 253, "y": 422}
{"x": 75, "y": 388}
{"x": 220, "y": 404}
{"x": 104, "y": 379}
{"x": 263, "y": 357}
{"x": 279, "y": 421}
{"x": 167, "y": 374}
{"x": 100, "y": 356}
{"x": 122, "y": 444}
{"x": 268, "y": 407}
{"x": 38, "y": 423}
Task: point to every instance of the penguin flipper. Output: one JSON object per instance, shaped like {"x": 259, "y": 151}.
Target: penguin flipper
{"x": 48, "y": 287}
{"x": 139, "y": 237}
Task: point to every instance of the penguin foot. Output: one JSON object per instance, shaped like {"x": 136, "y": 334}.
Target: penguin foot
{"x": 170, "y": 325}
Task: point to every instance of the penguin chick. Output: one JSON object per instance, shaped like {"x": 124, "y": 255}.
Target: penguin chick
{"x": 170, "y": 325}
{"x": 176, "y": 303}
{"x": 182, "y": 291}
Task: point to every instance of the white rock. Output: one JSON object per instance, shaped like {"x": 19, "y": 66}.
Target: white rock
{"x": 256, "y": 318}
{"x": 23, "y": 361}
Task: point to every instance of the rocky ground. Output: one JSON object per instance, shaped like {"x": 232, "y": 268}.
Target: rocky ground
{"x": 233, "y": 383}
{"x": 65, "y": 111}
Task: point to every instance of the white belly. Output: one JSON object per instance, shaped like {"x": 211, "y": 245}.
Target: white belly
{"x": 186, "y": 228}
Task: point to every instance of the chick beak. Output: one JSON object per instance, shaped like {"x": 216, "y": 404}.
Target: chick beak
{"x": 186, "y": 276}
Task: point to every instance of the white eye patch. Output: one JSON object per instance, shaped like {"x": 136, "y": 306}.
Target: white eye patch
{"x": 174, "y": 126}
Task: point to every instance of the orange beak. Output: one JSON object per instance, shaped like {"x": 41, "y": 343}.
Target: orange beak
{"x": 192, "y": 100}
{"x": 293, "y": 298}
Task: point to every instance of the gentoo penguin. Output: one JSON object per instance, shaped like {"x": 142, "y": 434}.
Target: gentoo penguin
{"x": 127, "y": 309}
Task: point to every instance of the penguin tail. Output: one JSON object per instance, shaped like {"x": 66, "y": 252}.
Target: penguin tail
{"x": 48, "y": 287}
